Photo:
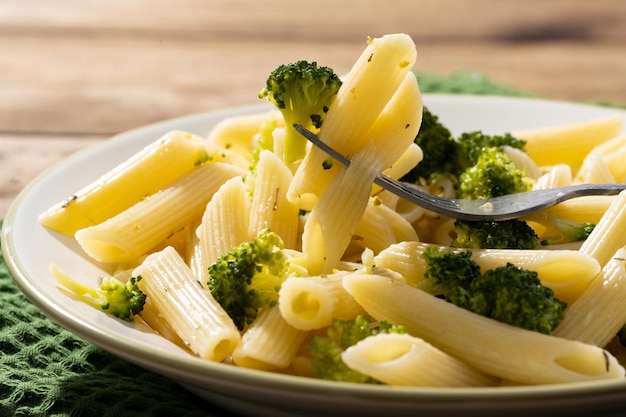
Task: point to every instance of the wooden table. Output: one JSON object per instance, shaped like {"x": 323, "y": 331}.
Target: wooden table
{"x": 74, "y": 72}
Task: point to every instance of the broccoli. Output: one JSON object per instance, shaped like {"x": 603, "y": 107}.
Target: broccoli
{"x": 303, "y": 92}
{"x": 123, "y": 300}
{"x": 493, "y": 175}
{"x": 438, "y": 147}
{"x": 569, "y": 231}
{"x": 326, "y": 350}
{"x": 249, "y": 277}
{"x": 509, "y": 234}
{"x": 472, "y": 144}
{"x": 509, "y": 294}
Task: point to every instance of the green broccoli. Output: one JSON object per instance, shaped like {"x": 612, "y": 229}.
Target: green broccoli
{"x": 123, "y": 300}
{"x": 438, "y": 147}
{"x": 326, "y": 350}
{"x": 509, "y": 234}
{"x": 472, "y": 144}
{"x": 303, "y": 92}
{"x": 493, "y": 175}
{"x": 508, "y": 293}
{"x": 249, "y": 277}
{"x": 569, "y": 231}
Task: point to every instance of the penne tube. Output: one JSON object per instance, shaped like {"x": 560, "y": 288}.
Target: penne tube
{"x": 405, "y": 360}
{"x": 594, "y": 170}
{"x": 224, "y": 224}
{"x": 569, "y": 143}
{"x": 333, "y": 220}
{"x": 237, "y": 133}
{"x": 189, "y": 309}
{"x": 600, "y": 312}
{"x": 309, "y": 303}
{"x": 492, "y": 347}
{"x": 269, "y": 343}
{"x": 385, "y": 62}
{"x": 269, "y": 207}
{"x": 566, "y": 272}
{"x": 151, "y": 169}
{"x": 559, "y": 175}
{"x": 608, "y": 235}
{"x": 140, "y": 228}
{"x": 380, "y": 226}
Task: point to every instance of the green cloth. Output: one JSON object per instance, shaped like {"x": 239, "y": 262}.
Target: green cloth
{"x": 47, "y": 371}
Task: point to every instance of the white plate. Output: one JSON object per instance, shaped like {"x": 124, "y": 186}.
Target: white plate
{"x": 29, "y": 248}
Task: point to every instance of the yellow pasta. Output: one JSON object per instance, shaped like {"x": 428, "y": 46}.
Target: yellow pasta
{"x": 334, "y": 218}
{"x": 559, "y": 175}
{"x": 309, "y": 303}
{"x": 269, "y": 342}
{"x": 384, "y": 63}
{"x": 380, "y": 226}
{"x": 269, "y": 207}
{"x": 149, "y": 170}
{"x": 224, "y": 224}
{"x": 594, "y": 170}
{"x": 600, "y": 312}
{"x": 133, "y": 232}
{"x": 569, "y": 143}
{"x": 504, "y": 351}
{"x": 404, "y": 360}
{"x": 190, "y": 310}
{"x": 608, "y": 235}
{"x": 566, "y": 272}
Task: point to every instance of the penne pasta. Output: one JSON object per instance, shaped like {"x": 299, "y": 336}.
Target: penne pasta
{"x": 380, "y": 227}
{"x": 310, "y": 303}
{"x": 137, "y": 230}
{"x": 269, "y": 207}
{"x": 569, "y": 143}
{"x": 405, "y": 360}
{"x": 224, "y": 224}
{"x": 149, "y": 170}
{"x": 190, "y": 310}
{"x": 269, "y": 342}
{"x": 492, "y": 347}
{"x": 608, "y": 235}
{"x": 600, "y": 312}
{"x": 566, "y": 272}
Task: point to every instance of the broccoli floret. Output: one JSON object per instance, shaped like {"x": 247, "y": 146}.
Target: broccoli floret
{"x": 326, "y": 350}
{"x": 493, "y": 175}
{"x": 509, "y": 234}
{"x": 249, "y": 277}
{"x": 438, "y": 147}
{"x": 472, "y": 144}
{"x": 508, "y": 293}
{"x": 303, "y": 92}
{"x": 569, "y": 231}
{"x": 120, "y": 299}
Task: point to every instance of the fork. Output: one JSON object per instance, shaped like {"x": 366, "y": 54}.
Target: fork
{"x": 506, "y": 207}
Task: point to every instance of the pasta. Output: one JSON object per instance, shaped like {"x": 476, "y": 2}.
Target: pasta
{"x": 600, "y": 311}
{"x": 146, "y": 172}
{"x": 566, "y": 272}
{"x": 313, "y": 302}
{"x": 196, "y": 317}
{"x": 512, "y": 352}
{"x": 353, "y": 248}
{"x": 404, "y": 360}
{"x": 133, "y": 232}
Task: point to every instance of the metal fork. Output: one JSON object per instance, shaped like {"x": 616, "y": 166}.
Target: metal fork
{"x": 507, "y": 207}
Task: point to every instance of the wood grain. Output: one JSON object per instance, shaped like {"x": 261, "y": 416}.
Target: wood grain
{"x": 74, "y": 72}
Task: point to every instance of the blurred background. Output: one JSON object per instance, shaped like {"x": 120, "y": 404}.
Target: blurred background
{"x": 74, "y": 72}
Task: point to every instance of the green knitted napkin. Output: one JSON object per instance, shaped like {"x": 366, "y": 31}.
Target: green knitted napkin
{"x": 48, "y": 371}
